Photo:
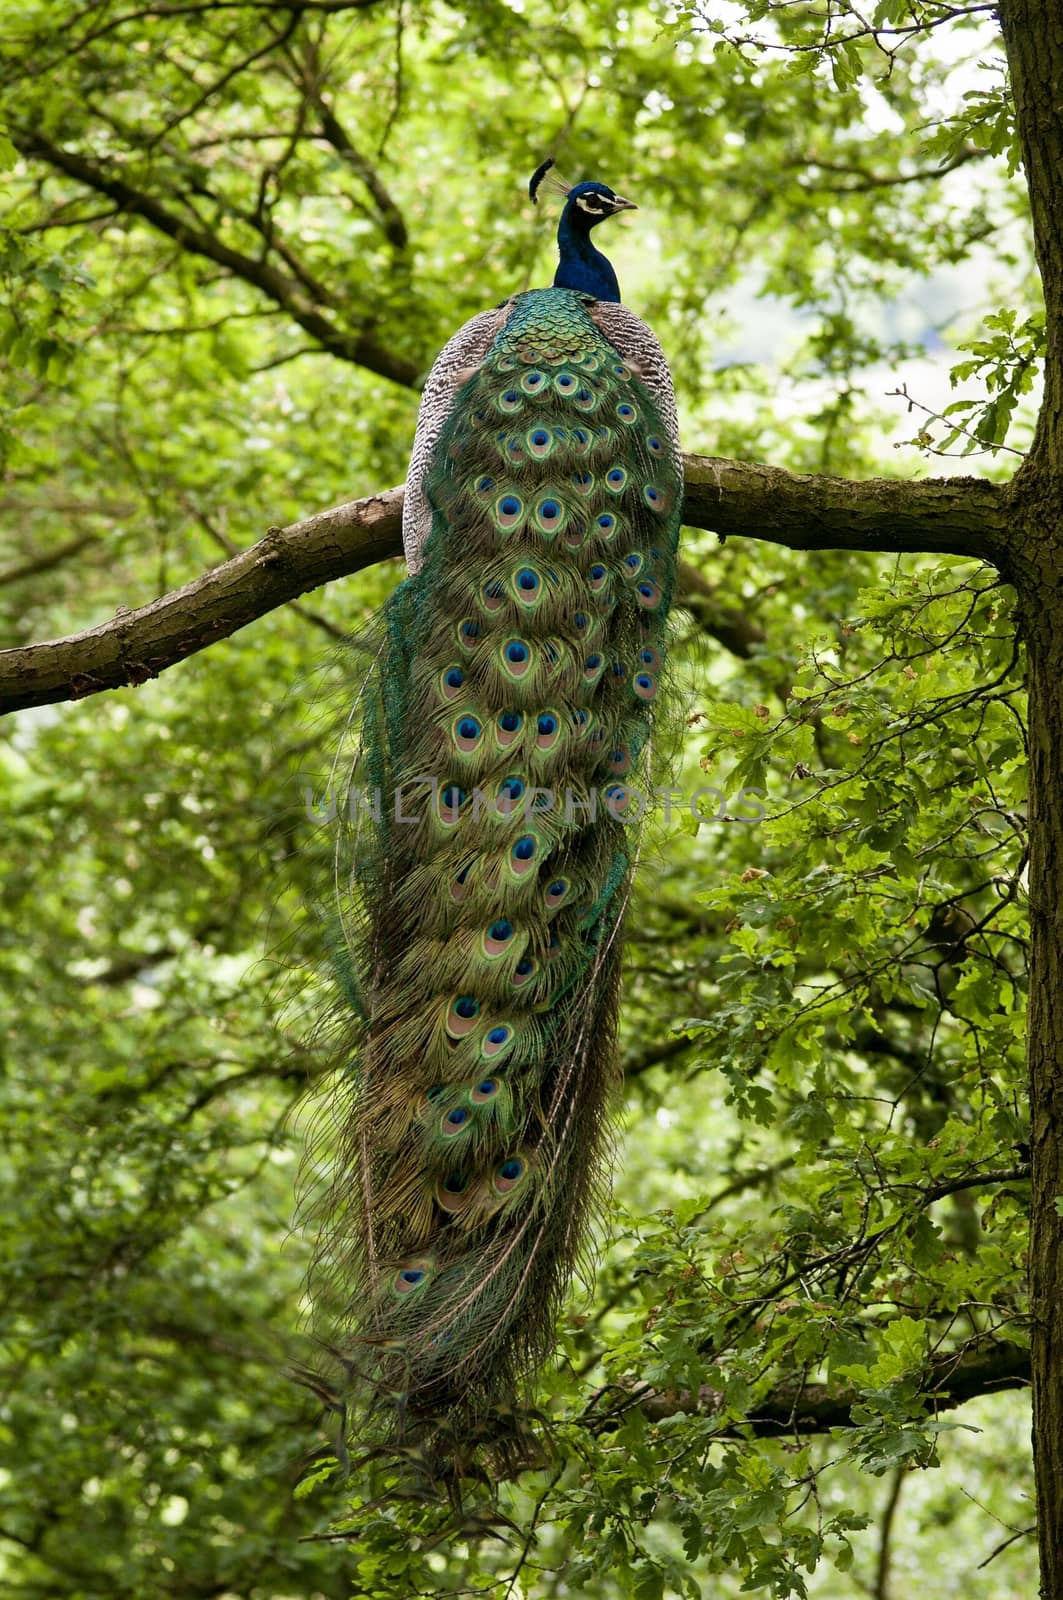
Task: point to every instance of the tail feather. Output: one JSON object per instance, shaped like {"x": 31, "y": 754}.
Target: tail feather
{"x": 509, "y": 712}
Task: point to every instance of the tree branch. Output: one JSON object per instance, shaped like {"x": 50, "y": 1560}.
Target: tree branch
{"x": 934, "y": 516}
{"x": 137, "y": 645}
{"x": 361, "y": 348}
{"x": 952, "y": 516}
{"x": 950, "y": 1380}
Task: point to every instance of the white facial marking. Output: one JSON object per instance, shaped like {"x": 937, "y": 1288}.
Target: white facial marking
{"x": 587, "y": 203}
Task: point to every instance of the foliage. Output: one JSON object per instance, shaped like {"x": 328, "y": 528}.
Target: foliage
{"x": 820, "y": 1214}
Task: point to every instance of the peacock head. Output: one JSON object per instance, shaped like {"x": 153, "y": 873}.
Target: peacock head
{"x": 581, "y": 266}
{"x": 590, "y": 203}
{"x": 586, "y": 204}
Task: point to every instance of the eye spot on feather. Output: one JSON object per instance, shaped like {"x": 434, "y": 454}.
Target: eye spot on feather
{"x": 492, "y": 596}
{"x": 510, "y": 794}
{"x": 462, "y": 1016}
{"x": 654, "y": 497}
{"x": 508, "y": 511}
{"x": 411, "y": 1277}
{"x": 451, "y": 683}
{"x": 615, "y": 479}
{"x": 539, "y": 443}
{"x": 528, "y": 581}
{"x": 484, "y": 484}
{"x": 508, "y": 1174}
{"x": 649, "y": 657}
{"x": 468, "y": 635}
{"x": 511, "y": 400}
{"x": 496, "y": 1040}
{"x": 617, "y": 799}
{"x": 451, "y": 1191}
{"x": 553, "y": 948}
{"x": 648, "y": 594}
{"x": 633, "y": 564}
{"x": 467, "y": 731}
{"x": 557, "y": 893}
{"x": 654, "y": 445}
{"x": 508, "y": 728}
{"x": 532, "y": 382}
{"x": 597, "y": 578}
{"x": 564, "y": 383}
{"x": 548, "y": 514}
{"x": 645, "y": 686}
{"x": 516, "y": 658}
{"x": 606, "y": 525}
{"x": 619, "y": 761}
{"x": 524, "y": 971}
{"x": 619, "y": 370}
{"x": 580, "y": 439}
{"x": 485, "y": 1091}
{"x": 583, "y": 482}
{"x": 627, "y": 413}
{"x": 455, "y": 1120}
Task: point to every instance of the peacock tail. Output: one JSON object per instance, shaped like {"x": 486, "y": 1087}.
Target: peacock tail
{"x": 505, "y": 729}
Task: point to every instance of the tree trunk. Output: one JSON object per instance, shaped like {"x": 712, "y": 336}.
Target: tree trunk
{"x": 1033, "y": 34}
{"x": 1045, "y": 1052}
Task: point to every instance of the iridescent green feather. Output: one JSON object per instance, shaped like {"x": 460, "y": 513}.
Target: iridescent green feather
{"x": 511, "y": 712}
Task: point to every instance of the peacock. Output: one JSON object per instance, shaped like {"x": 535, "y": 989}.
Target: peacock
{"x": 505, "y": 725}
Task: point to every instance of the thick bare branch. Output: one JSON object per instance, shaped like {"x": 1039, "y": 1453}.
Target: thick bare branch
{"x": 952, "y": 516}
{"x": 136, "y": 645}
{"x": 937, "y": 516}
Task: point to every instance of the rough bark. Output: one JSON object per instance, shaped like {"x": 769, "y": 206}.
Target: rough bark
{"x": 136, "y": 645}
{"x": 1033, "y": 32}
{"x": 951, "y": 516}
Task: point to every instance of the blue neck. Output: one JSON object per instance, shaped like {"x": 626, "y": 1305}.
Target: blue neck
{"x": 581, "y": 266}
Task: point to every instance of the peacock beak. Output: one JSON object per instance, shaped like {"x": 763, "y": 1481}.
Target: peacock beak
{"x": 618, "y": 203}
